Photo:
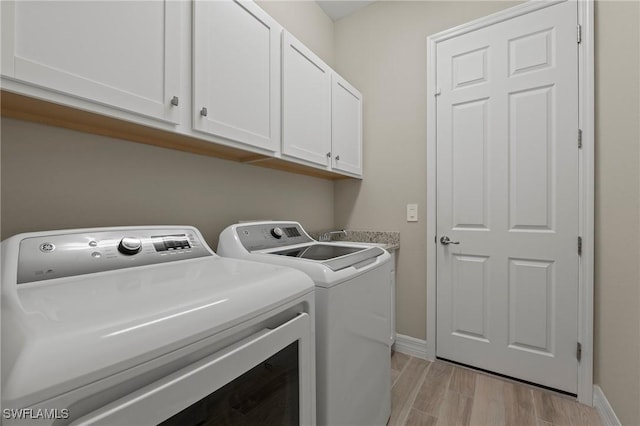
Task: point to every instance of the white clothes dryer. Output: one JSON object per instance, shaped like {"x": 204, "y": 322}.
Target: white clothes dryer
{"x": 147, "y": 325}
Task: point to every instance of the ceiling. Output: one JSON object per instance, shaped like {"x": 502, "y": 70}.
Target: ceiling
{"x": 338, "y": 9}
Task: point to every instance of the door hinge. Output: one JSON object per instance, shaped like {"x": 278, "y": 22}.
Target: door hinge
{"x": 579, "y": 351}
{"x": 579, "y": 246}
{"x": 579, "y": 33}
{"x": 579, "y": 138}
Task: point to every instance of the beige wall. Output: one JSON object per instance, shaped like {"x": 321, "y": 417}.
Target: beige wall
{"x": 381, "y": 50}
{"x": 56, "y": 178}
{"x": 307, "y": 22}
{"x": 617, "y": 279}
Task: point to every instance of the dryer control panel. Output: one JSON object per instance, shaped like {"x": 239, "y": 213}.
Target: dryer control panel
{"x": 45, "y": 257}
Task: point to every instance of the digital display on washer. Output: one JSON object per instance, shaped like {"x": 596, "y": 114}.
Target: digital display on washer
{"x": 170, "y": 242}
{"x": 319, "y": 251}
{"x": 291, "y": 232}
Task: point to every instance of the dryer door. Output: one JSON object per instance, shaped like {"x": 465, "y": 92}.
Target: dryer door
{"x": 266, "y": 378}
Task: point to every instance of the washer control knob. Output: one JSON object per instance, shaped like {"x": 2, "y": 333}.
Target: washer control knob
{"x": 276, "y": 232}
{"x": 130, "y": 246}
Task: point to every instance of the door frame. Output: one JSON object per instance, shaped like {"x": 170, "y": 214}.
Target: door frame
{"x": 585, "y": 11}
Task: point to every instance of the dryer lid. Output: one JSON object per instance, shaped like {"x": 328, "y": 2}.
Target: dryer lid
{"x": 63, "y": 333}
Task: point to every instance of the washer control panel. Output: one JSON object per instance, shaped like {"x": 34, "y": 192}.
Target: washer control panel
{"x": 266, "y": 235}
{"x": 277, "y": 232}
{"x": 64, "y": 255}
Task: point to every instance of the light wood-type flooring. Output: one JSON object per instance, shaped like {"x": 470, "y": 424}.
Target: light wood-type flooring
{"x": 427, "y": 393}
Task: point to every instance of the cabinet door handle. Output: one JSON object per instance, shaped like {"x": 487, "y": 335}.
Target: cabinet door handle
{"x": 203, "y": 112}
{"x": 174, "y": 101}
{"x": 337, "y": 157}
{"x": 328, "y": 155}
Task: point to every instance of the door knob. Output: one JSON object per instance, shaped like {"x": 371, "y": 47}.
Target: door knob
{"x": 446, "y": 241}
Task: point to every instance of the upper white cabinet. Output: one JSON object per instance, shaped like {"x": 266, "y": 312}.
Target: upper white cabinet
{"x": 236, "y": 86}
{"x": 205, "y": 76}
{"x": 321, "y": 112}
{"x": 346, "y": 126}
{"x": 115, "y": 53}
{"x": 306, "y": 104}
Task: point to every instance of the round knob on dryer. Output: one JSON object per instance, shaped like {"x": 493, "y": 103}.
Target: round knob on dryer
{"x": 277, "y": 232}
{"x": 130, "y": 246}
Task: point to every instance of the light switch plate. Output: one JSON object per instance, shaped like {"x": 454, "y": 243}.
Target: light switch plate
{"x": 412, "y": 212}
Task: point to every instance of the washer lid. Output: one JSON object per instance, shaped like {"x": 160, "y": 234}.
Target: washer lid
{"x": 64, "y": 333}
{"x": 319, "y": 251}
{"x": 335, "y": 257}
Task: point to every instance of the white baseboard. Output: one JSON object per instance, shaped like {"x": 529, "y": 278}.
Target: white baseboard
{"x": 411, "y": 346}
{"x": 605, "y": 410}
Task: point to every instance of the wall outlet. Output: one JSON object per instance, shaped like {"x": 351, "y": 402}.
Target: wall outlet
{"x": 412, "y": 212}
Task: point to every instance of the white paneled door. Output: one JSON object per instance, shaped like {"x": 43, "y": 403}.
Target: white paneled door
{"x": 507, "y": 197}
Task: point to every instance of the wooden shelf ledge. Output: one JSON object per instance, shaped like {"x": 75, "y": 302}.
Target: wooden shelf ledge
{"x": 35, "y": 110}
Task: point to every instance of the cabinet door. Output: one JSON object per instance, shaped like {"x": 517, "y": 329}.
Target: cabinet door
{"x": 123, "y": 54}
{"x": 346, "y": 126}
{"x": 237, "y": 73}
{"x": 306, "y": 104}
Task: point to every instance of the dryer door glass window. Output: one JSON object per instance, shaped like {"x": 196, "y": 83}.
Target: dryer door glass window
{"x": 268, "y": 394}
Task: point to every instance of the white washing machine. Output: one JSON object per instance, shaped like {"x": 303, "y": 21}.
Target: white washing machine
{"x": 146, "y": 326}
{"x": 352, "y": 314}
